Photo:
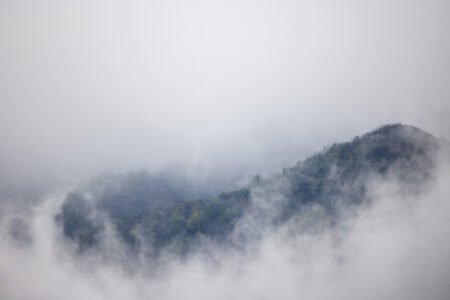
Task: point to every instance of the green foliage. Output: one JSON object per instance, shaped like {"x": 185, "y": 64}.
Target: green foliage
{"x": 180, "y": 226}
{"x": 141, "y": 213}
{"x": 78, "y": 222}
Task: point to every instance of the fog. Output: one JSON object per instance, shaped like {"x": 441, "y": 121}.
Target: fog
{"x": 395, "y": 248}
{"x": 215, "y": 88}
{"x": 219, "y": 91}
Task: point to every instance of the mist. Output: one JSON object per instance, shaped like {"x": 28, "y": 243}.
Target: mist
{"x": 215, "y": 89}
{"x": 395, "y": 248}
{"x": 209, "y": 94}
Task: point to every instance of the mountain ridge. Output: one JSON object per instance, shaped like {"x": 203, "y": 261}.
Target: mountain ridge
{"x": 331, "y": 178}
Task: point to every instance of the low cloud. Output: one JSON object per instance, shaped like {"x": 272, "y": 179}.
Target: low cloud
{"x": 395, "y": 248}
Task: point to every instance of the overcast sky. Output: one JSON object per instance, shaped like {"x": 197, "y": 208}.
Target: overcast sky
{"x": 93, "y": 86}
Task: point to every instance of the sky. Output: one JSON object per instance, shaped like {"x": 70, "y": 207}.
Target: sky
{"x": 219, "y": 88}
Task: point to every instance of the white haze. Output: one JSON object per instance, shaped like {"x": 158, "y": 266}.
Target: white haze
{"x": 396, "y": 248}
{"x": 220, "y": 89}
{"x": 216, "y": 88}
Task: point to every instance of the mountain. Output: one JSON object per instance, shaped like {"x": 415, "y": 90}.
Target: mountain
{"x": 151, "y": 214}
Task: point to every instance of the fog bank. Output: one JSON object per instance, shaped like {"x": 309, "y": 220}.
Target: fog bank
{"x": 395, "y": 248}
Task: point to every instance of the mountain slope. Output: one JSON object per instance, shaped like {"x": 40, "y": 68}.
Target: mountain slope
{"x": 158, "y": 217}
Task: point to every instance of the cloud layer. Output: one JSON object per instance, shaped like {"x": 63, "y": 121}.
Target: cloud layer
{"x": 395, "y": 248}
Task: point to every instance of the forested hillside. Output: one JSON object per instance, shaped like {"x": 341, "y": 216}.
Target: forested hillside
{"x": 151, "y": 212}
